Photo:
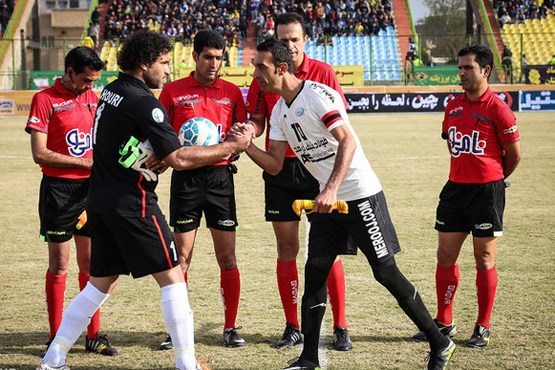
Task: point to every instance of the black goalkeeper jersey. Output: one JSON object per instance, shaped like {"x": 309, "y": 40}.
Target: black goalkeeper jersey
{"x": 127, "y": 108}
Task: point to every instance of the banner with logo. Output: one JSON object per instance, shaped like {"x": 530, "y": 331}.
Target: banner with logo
{"x": 43, "y": 79}
{"x": 540, "y": 74}
{"x": 412, "y": 102}
{"x": 435, "y": 76}
{"x": 536, "y": 100}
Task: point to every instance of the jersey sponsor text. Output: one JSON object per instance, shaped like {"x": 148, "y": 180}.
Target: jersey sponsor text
{"x": 461, "y": 143}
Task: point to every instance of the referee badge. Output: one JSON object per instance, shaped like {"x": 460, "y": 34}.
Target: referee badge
{"x": 157, "y": 115}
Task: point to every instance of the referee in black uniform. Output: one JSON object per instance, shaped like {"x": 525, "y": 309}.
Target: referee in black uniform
{"x": 129, "y": 233}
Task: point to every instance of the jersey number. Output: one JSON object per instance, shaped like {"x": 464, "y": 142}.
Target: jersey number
{"x": 298, "y": 132}
{"x": 96, "y": 119}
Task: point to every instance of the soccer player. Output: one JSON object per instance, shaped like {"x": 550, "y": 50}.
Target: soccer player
{"x": 295, "y": 182}
{"x": 208, "y": 189}
{"x": 129, "y": 232}
{"x": 60, "y": 124}
{"x": 311, "y": 118}
{"x": 483, "y": 139}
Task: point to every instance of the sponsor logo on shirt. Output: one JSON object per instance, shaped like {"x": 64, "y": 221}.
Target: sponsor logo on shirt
{"x": 462, "y": 143}
{"x": 510, "y": 130}
{"x": 456, "y": 111}
{"x": 187, "y": 97}
{"x": 321, "y": 90}
{"x": 63, "y": 104}
{"x": 78, "y": 142}
{"x": 299, "y": 112}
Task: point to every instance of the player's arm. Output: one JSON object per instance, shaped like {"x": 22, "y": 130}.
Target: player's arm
{"x": 259, "y": 123}
{"x": 270, "y": 161}
{"x": 44, "y": 156}
{"x": 511, "y": 158}
{"x": 189, "y": 157}
{"x": 345, "y": 152}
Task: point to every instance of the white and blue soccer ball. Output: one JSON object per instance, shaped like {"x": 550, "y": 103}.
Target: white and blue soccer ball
{"x": 198, "y": 131}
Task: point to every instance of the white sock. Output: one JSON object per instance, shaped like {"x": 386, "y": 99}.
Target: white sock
{"x": 75, "y": 319}
{"x": 179, "y": 320}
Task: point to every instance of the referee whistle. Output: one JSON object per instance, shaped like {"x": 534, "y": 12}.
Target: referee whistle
{"x": 308, "y": 205}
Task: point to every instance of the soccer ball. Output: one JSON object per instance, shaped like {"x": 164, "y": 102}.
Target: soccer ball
{"x": 198, "y": 131}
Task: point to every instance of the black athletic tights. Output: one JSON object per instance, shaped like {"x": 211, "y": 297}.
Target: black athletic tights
{"x": 388, "y": 274}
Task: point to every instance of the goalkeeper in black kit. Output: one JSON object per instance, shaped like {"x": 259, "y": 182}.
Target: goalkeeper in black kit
{"x": 129, "y": 232}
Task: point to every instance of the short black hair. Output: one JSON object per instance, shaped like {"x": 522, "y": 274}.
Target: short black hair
{"x": 484, "y": 56}
{"x": 208, "y": 39}
{"x": 280, "y": 53}
{"x": 288, "y": 18}
{"x": 80, "y": 57}
{"x": 142, "y": 47}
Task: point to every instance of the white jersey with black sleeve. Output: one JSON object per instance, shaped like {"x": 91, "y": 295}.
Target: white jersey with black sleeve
{"x": 306, "y": 124}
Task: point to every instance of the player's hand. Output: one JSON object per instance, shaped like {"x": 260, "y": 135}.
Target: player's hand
{"x": 243, "y": 128}
{"x": 307, "y": 205}
{"x": 324, "y": 202}
{"x": 240, "y": 142}
{"x": 156, "y": 165}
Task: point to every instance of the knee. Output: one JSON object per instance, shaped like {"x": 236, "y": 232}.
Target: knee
{"x": 287, "y": 249}
{"x": 227, "y": 260}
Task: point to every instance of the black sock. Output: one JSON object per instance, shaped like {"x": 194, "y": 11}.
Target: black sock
{"x": 314, "y": 303}
{"x": 409, "y": 300}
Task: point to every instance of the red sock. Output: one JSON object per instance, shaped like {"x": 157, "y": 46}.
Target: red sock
{"x": 55, "y": 289}
{"x": 486, "y": 286}
{"x": 94, "y": 326}
{"x": 288, "y": 285}
{"x": 447, "y": 281}
{"x": 230, "y": 284}
{"x": 336, "y": 291}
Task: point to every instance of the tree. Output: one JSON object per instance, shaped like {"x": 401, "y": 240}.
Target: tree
{"x": 443, "y": 31}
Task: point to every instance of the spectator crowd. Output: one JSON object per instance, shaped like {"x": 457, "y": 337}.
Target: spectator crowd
{"x": 518, "y": 11}
{"x": 182, "y": 19}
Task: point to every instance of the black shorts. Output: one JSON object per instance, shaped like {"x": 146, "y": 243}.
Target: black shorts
{"x": 293, "y": 182}
{"x": 471, "y": 208}
{"x": 61, "y": 202}
{"x": 137, "y": 245}
{"x": 367, "y": 226}
{"x": 208, "y": 189}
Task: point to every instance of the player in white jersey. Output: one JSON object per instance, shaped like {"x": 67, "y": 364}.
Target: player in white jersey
{"x": 317, "y": 148}
{"x": 311, "y": 118}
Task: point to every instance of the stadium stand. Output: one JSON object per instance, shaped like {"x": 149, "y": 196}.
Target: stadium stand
{"x": 528, "y": 29}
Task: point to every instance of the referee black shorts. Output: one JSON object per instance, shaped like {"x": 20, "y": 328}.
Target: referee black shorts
{"x": 137, "y": 245}
{"x": 61, "y": 202}
{"x": 471, "y": 208}
{"x": 207, "y": 189}
{"x": 367, "y": 226}
{"x": 293, "y": 182}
